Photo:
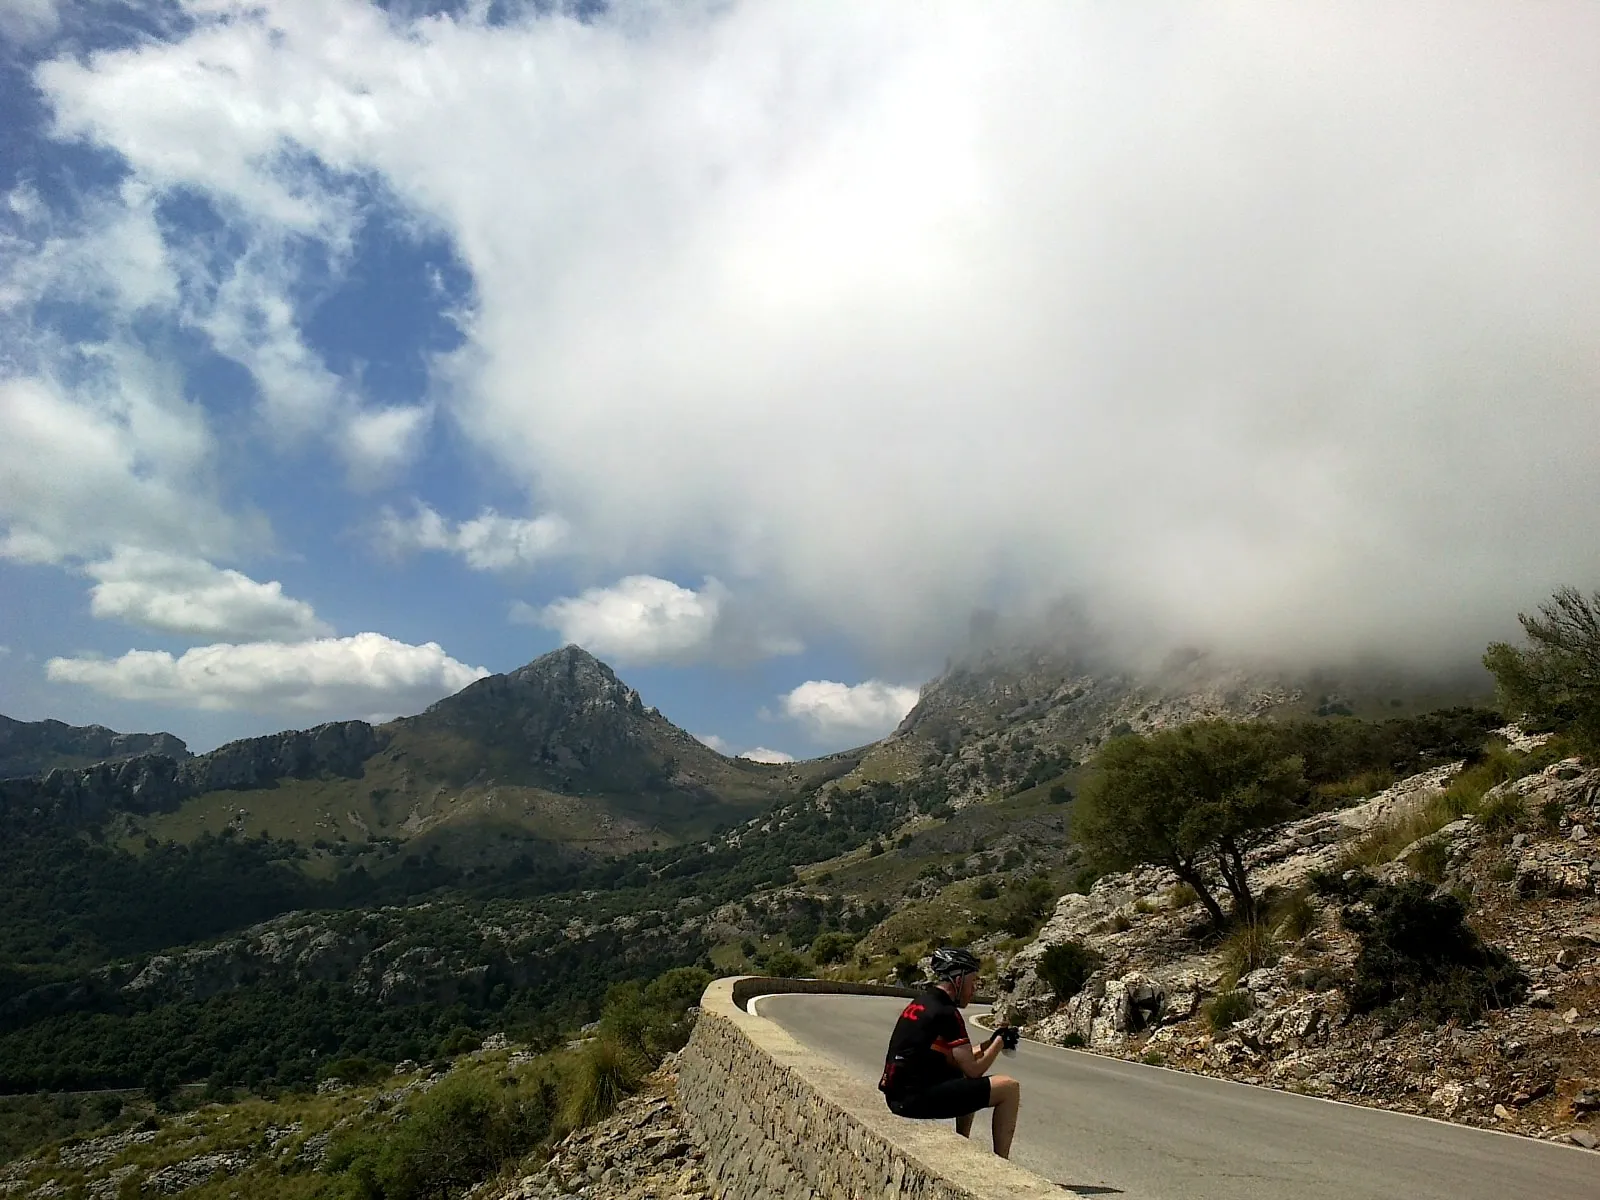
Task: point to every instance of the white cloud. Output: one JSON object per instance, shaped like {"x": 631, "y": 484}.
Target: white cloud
{"x": 378, "y": 441}
{"x": 763, "y": 755}
{"x": 191, "y": 597}
{"x": 720, "y": 744}
{"x": 329, "y": 676}
{"x": 640, "y": 619}
{"x": 26, "y": 21}
{"x": 1287, "y": 341}
{"x": 488, "y": 542}
{"x": 832, "y": 710}
{"x": 105, "y": 465}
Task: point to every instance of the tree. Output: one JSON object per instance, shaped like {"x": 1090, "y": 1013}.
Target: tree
{"x": 1194, "y": 800}
{"x": 1556, "y": 680}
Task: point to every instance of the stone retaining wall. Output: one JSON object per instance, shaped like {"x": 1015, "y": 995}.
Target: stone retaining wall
{"x": 778, "y": 1122}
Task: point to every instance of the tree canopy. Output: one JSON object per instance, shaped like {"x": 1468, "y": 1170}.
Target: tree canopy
{"x": 1192, "y": 799}
{"x": 1555, "y": 680}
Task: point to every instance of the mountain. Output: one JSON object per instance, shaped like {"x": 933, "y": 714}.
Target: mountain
{"x": 1006, "y": 719}
{"x": 33, "y": 747}
{"x": 558, "y": 756}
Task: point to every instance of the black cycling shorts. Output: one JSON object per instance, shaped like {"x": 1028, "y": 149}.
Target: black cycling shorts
{"x": 943, "y": 1101}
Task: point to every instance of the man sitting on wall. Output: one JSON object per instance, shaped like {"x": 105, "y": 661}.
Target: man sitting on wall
{"x": 932, "y": 1071}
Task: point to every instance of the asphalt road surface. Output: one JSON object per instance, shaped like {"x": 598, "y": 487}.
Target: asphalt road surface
{"x": 1099, "y": 1126}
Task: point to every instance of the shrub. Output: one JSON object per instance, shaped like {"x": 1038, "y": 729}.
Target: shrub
{"x": 1550, "y": 814}
{"x": 459, "y": 1040}
{"x": 907, "y": 972}
{"x": 1181, "y": 896}
{"x": 1024, "y": 906}
{"x": 1420, "y": 960}
{"x": 1073, "y": 1041}
{"x": 783, "y": 963}
{"x": 1066, "y": 967}
{"x": 832, "y": 947}
{"x": 606, "y": 1073}
{"x": 987, "y": 889}
{"x": 1225, "y": 1010}
{"x": 455, "y": 1135}
{"x": 1430, "y": 860}
{"x": 1502, "y": 812}
{"x": 1503, "y": 872}
{"x": 354, "y": 1070}
{"x": 1295, "y": 916}
{"x": 1248, "y": 948}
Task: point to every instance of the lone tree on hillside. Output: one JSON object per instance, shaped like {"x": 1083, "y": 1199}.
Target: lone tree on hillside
{"x": 1190, "y": 799}
{"x": 1556, "y": 680}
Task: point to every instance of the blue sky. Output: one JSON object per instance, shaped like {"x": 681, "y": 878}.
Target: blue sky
{"x": 347, "y": 353}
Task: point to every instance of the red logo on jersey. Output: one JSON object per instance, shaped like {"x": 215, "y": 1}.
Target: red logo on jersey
{"x": 913, "y": 1010}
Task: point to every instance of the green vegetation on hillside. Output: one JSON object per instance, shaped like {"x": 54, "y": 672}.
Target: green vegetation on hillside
{"x": 1196, "y": 798}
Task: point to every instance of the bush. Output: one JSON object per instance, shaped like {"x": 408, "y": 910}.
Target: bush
{"x": 987, "y": 889}
{"x": 1225, "y": 1010}
{"x": 1420, "y": 960}
{"x": 455, "y": 1135}
{"x": 907, "y": 972}
{"x": 605, "y": 1074}
{"x": 1295, "y": 916}
{"x": 1074, "y": 1041}
{"x": 1502, "y": 812}
{"x": 1066, "y": 967}
{"x": 354, "y": 1070}
{"x": 1430, "y": 860}
{"x": 832, "y": 947}
{"x": 784, "y": 964}
{"x": 1248, "y": 948}
{"x": 1024, "y": 906}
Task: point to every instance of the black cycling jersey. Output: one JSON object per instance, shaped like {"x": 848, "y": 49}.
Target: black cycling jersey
{"x": 920, "y": 1048}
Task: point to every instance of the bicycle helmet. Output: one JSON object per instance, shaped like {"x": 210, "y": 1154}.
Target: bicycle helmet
{"x": 951, "y": 963}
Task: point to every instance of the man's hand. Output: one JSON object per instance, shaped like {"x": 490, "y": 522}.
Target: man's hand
{"x": 1009, "y": 1036}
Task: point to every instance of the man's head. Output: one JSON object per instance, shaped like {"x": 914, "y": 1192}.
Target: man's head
{"x": 957, "y": 973}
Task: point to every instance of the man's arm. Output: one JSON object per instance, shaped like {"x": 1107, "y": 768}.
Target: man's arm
{"x": 975, "y": 1063}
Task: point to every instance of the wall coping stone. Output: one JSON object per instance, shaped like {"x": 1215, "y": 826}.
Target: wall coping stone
{"x": 926, "y": 1159}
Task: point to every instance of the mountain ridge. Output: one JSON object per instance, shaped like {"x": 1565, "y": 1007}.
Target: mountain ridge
{"x": 34, "y": 747}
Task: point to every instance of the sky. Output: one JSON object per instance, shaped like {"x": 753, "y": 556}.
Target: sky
{"x": 349, "y": 353}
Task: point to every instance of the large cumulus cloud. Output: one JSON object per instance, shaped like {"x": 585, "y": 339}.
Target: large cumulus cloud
{"x": 1260, "y": 324}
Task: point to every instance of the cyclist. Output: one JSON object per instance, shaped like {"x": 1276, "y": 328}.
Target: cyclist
{"x": 933, "y": 1073}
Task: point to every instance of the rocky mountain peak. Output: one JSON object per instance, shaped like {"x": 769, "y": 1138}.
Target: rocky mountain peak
{"x": 573, "y": 675}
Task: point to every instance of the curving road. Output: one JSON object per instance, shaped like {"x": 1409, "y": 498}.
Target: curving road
{"x": 1100, "y": 1126}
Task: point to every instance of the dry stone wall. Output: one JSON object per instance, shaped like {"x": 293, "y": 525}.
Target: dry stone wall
{"x": 778, "y": 1122}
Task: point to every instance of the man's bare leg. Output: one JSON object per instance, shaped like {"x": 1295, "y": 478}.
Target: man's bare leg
{"x": 964, "y": 1125}
{"x": 1005, "y": 1097}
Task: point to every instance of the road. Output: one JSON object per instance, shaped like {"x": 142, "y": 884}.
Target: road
{"x": 1099, "y": 1126}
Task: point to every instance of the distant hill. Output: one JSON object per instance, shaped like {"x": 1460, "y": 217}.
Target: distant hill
{"x": 33, "y": 747}
{"x": 559, "y": 755}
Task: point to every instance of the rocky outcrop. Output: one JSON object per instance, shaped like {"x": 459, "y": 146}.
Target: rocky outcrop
{"x": 34, "y": 747}
{"x": 159, "y": 783}
{"x": 644, "y": 1151}
{"x": 336, "y": 749}
{"x": 1534, "y": 886}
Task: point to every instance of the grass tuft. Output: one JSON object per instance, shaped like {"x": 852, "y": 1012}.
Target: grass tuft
{"x": 1226, "y": 1010}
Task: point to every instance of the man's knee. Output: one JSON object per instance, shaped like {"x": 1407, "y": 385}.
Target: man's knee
{"x": 1004, "y": 1090}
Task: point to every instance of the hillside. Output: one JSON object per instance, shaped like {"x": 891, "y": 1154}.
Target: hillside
{"x": 557, "y": 757}
{"x": 34, "y": 747}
